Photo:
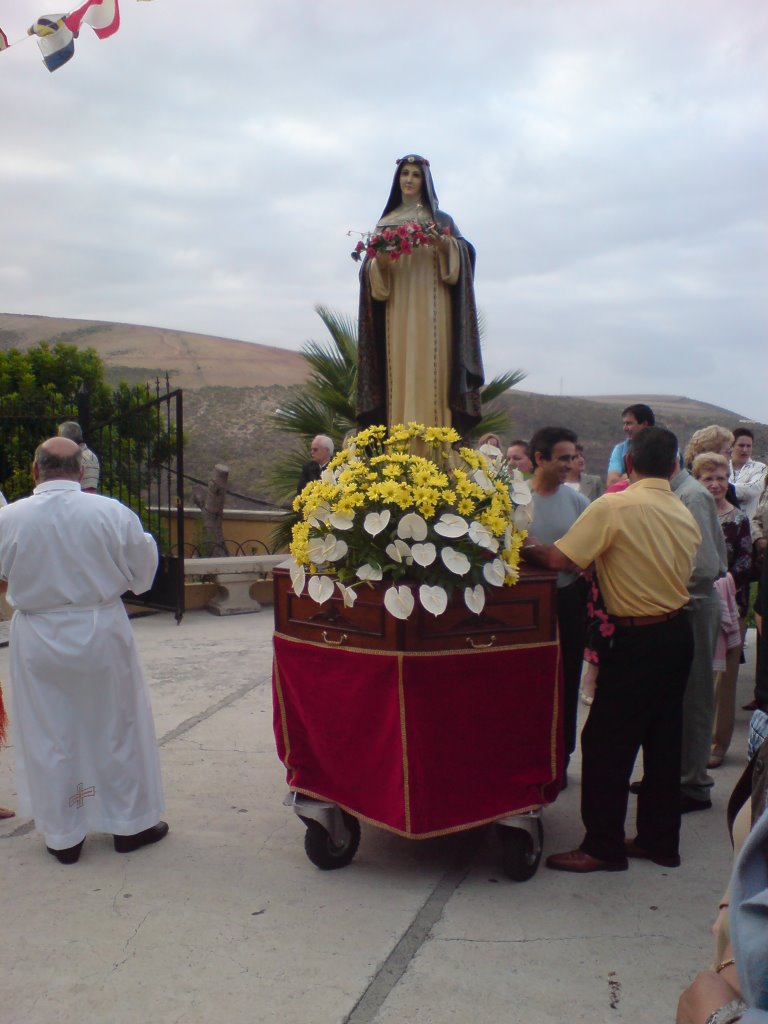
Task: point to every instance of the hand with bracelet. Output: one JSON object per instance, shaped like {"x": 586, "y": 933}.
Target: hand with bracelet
{"x": 713, "y": 997}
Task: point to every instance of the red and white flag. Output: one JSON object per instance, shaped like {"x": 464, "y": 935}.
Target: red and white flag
{"x": 102, "y": 15}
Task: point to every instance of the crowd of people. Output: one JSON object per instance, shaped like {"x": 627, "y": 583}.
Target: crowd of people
{"x": 656, "y": 575}
{"x": 652, "y": 602}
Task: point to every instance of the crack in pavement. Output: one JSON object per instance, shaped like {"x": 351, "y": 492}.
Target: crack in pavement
{"x": 413, "y": 938}
{"x": 562, "y": 938}
{"x": 190, "y": 723}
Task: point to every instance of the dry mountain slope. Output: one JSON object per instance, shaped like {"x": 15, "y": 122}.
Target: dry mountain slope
{"x": 137, "y": 353}
{"x": 233, "y": 387}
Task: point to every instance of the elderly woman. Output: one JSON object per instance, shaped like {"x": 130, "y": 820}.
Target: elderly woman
{"x": 709, "y": 439}
{"x": 419, "y": 345}
{"x": 711, "y": 470}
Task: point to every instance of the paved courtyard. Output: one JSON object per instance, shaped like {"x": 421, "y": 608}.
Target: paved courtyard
{"x": 227, "y": 920}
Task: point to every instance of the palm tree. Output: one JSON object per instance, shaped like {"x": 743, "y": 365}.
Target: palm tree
{"x": 326, "y": 405}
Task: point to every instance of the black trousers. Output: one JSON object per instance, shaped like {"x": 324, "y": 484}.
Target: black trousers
{"x": 638, "y": 704}
{"x": 572, "y": 624}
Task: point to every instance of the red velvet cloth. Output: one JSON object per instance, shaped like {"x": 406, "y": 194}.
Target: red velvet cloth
{"x": 421, "y": 744}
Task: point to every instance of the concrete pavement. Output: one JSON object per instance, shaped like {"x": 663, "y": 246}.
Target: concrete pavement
{"x": 226, "y": 920}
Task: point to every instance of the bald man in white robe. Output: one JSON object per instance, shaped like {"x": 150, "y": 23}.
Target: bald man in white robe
{"x": 86, "y": 752}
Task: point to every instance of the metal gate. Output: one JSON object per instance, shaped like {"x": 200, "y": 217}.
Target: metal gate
{"x": 140, "y": 451}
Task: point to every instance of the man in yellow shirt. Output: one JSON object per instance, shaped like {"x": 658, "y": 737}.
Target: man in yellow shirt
{"x": 642, "y": 541}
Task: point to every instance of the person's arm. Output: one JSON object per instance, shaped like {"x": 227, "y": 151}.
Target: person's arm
{"x": 750, "y": 484}
{"x": 708, "y": 992}
{"x": 547, "y": 556}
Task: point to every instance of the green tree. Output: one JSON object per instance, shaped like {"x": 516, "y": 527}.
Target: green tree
{"x": 50, "y": 383}
{"x": 326, "y": 404}
{"x": 38, "y": 389}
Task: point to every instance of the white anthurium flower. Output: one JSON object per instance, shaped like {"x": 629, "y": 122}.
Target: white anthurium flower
{"x": 342, "y": 520}
{"x": 320, "y": 516}
{"x": 412, "y": 527}
{"x": 398, "y": 550}
{"x": 456, "y": 561}
{"x": 424, "y": 554}
{"x": 399, "y": 602}
{"x": 320, "y": 588}
{"x": 369, "y": 571}
{"x": 319, "y": 547}
{"x": 340, "y": 548}
{"x": 434, "y": 599}
{"x": 495, "y": 572}
{"x": 298, "y": 578}
{"x": 450, "y": 525}
{"x": 375, "y": 522}
{"x": 519, "y": 491}
{"x": 483, "y": 537}
{"x": 328, "y": 476}
{"x": 349, "y": 596}
{"x": 474, "y": 598}
{"x": 482, "y": 479}
{"x": 522, "y": 517}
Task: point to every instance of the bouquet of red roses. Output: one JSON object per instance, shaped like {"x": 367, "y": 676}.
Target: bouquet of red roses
{"x": 398, "y": 241}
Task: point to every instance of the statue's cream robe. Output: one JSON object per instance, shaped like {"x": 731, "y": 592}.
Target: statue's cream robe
{"x": 86, "y": 753}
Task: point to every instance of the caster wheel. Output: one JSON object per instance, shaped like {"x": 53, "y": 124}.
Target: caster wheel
{"x": 321, "y": 849}
{"x": 519, "y": 855}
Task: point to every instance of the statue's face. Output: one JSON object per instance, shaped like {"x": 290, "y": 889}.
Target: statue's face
{"x": 411, "y": 181}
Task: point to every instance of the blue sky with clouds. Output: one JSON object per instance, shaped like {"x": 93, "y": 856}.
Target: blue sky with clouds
{"x": 199, "y": 170}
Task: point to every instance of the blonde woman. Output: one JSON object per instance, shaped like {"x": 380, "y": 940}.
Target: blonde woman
{"x": 711, "y": 470}
{"x": 709, "y": 439}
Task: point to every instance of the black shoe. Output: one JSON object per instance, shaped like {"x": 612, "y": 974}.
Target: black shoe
{"x": 69, "y": 856}
{"x": 127, "y": 844}
{"x": 633, "y": 850}
{"x": 688, "y": 804}
{"x": 635, "y": 787}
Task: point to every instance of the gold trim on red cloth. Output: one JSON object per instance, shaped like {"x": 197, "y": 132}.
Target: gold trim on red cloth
{"x": 555, "y": 716}
{"x": 414, "y": 804}
{"x": 418, "y": 654}
{"x": 417, "y": 835}
{"x": 283, "y": 718}
{"x": 404, "y": 740}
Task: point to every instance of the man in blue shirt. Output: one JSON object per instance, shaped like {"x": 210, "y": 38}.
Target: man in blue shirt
{"x": 633, "y": 419}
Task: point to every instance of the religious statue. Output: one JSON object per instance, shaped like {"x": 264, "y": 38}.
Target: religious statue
{"x": 419, "y": 354}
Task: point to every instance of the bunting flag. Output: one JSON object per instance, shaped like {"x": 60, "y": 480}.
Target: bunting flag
{"x": 56, "y": 33}
{"x": 56, "y": 42}
{"x": 102, "y": 15}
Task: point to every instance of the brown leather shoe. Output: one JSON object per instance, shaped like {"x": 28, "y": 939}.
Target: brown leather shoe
{"x": 633, "y": 850}
{"x": 581, "y": 863}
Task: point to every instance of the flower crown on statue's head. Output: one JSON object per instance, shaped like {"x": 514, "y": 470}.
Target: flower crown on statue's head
{"x": 412, "y": 159}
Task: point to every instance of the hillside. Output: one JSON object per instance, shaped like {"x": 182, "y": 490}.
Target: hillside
{"x": 135, "y": 354}
{"x": 233, "y": 387}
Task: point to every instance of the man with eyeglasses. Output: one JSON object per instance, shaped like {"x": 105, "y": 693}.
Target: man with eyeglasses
{"x": 556, "y": 507}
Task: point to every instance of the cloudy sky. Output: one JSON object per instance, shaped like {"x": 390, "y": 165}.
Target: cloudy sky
{"x": 200, "y": 170}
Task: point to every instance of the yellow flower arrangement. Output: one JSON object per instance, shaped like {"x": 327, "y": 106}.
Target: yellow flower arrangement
{"x": 455, "y": 520}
